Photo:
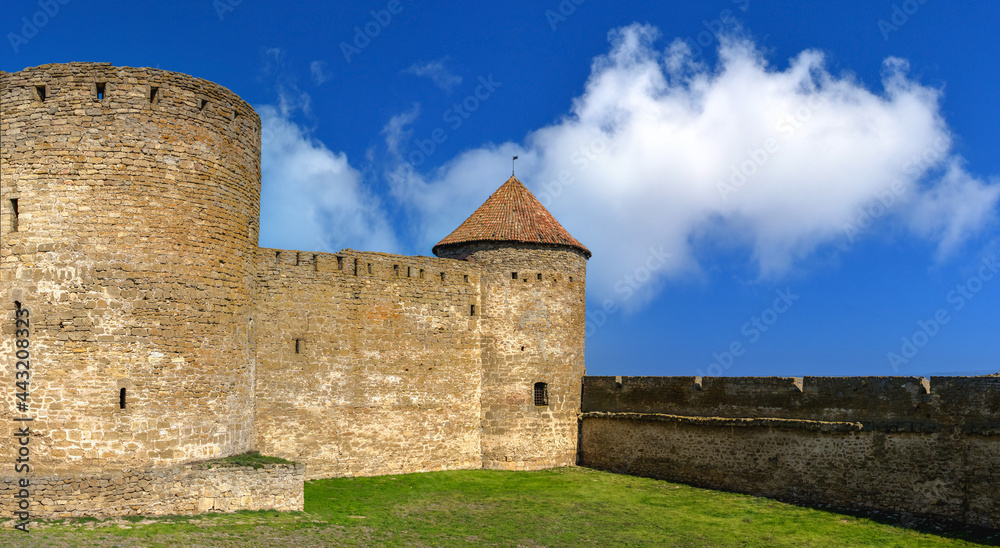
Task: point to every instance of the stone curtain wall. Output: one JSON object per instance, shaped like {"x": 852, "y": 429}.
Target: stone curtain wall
{"x": 533, "y": 331}
{"x": 368, "y": 363}
{"x": 128, "y": 221}
{"x": 159, "y": 332}
{"x": 893, "y": 444}
{"x": 190, "y": 489}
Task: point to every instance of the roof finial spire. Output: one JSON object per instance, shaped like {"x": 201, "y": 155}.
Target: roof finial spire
{"x": 512, "y": 166}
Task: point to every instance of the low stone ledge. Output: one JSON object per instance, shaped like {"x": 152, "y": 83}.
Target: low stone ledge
{"x": 186, "y": 489}
{"x": 982, "y": 428}
{"x": 798, "y": 424}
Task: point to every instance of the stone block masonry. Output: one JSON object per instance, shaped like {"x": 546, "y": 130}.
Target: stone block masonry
{"x": 178, "y": 490}
{"x": 129, "y": 215}
{"x": 902, "y": 445}
{"x": 368, "y": 363}
{"x": 149, "y": 331}
{"x": 161, "y": 334}
{"x": 533, "y": 333}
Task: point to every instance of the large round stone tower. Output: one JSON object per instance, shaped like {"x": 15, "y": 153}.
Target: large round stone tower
{"x": 533, "y": 315}
{"x": 130, "y": 201}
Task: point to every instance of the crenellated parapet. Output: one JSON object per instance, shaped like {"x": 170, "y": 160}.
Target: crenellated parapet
{"x": 922, "y": 403}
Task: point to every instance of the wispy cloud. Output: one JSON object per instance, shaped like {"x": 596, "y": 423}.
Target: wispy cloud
{"x": 318, "y": 71}
{"x": 437, "y": 72}
{"x": 274, "y": 71}
{"x": 311, "y": 197}
{"x": 397, "y": 129}
{"x": 954, "y": 209}
{"x": 272, "y": 62}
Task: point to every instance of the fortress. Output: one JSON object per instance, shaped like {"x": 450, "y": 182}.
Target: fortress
{"x": 144, "y": 332}
{"x": 160, "y": 333}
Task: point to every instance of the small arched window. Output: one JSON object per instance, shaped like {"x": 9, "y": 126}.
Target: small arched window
{"x": 541, "y": 393}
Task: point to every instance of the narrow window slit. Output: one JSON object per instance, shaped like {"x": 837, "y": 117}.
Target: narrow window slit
{"x": 296, "y": 259}
{"x": 472, "y": 310}
{"x": 465, "y": 278}
{"x": 340, "y": 262}
{"x": 442, "y": 276}
{"x": 298, "y": 346}
{"x": 369, "y": 268}
{"x": 355, "y": 267}
{"x": 541, "y": 393}
{"x": 539, "y": 276}
{"x": 121, "y": 399}
{"x": 421, "y": 273}
{"x": 154, "y": 94}
{"x": 99, "y": 87}
{"x": 513, "y": 275}
{"x": 14, "y": 216}
{"x": 395, "y": 270}
{"x": 203, "y": 104}
{"x": 40, "y": 92}
{"x": 315, "y": 262}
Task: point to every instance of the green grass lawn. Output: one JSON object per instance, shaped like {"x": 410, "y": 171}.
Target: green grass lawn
{"x": 561, "y": 507}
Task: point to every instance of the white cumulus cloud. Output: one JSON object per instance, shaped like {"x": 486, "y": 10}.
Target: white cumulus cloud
{"x": 664, "y": 154}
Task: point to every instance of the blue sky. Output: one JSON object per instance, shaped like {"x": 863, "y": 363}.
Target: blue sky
{"x": 780, "y": 188}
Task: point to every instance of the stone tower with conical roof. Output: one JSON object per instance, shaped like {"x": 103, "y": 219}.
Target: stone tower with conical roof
{"x": 532, "y": 321}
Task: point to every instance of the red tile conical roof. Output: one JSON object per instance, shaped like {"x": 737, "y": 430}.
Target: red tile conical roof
{"x": 512, "y": 214}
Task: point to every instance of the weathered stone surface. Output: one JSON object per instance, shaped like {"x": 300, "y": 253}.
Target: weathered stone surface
{"x": 136, "y": 229}
{"x": 533, "y": 331}
{"x": 904, "y": 445}
{"x": 186, "y": 489}
{"x": 129, "y": 203}
{"x": 128, "y": 228}
{"x": 368, "y": 363}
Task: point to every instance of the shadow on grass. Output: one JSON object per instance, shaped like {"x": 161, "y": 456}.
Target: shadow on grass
{"x": 921, "y": 524}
